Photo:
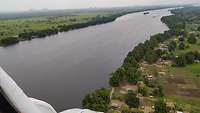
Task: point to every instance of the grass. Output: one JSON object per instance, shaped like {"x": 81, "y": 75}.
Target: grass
{"x": 190, "y": 47}
{"x": 184, "y": 88}
{"x": 13, "y": 27}
{"x": 187, "y": 103}
{"x": 194, "y": 68}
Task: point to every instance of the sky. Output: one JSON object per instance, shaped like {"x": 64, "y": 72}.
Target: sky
{"x": 23, "y": 5}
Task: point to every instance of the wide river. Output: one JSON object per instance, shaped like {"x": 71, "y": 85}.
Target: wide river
{"x": 61, "y": 69}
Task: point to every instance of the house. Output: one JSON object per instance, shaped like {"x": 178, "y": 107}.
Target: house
{"x": 170, "y": 105}
{"x": 150, "y": 77}
{"x": 196, "y": 61}
{"x": 179, "y": 112}
{"x": 114, "y": 105}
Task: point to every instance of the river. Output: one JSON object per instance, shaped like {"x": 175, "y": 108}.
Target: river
{"x": 61, "y": 69}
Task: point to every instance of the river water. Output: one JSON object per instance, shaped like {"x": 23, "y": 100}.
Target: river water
{"x": 61, "y": 69}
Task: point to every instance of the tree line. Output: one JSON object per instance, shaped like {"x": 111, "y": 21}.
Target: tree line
{"x": 28, "y": 35}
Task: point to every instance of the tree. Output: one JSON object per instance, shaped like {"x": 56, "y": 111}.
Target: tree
{"x": 151, "y": 56}
{"x": 116, "y": 77}
{"x": 180, "y": 61}
{"x": 97, "y": 101}
{"x": 132, "y": 75}
{"x": 160, "y": 52}
{"x": 172, "y": 46}
{"x": 113, "y": 111}
{"x": 143, "y": 90}
{"x": 198, "y": 28}
{"x": 192, "y": 39}
{"x": 160, "y": 107}
{"x": 115, "y": 80}
{"x": 181, "y": 46}
{"x": 130, "y": 62}
{"x": 9, "y": 40}
{"x": 131, "y": 100}
{"x": 181, "y": 39}
{"x": 190, "y": 57}
{"x": 158, "y": 91}
{"x": 125, "y": 108}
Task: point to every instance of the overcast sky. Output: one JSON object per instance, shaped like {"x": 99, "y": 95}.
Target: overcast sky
{"x": 22, "y": 5}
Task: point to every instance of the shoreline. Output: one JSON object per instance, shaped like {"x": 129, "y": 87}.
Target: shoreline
{"x": 148, "y": 80}
{"x": 117, "y": 77}
{"x": 4, "y": 42}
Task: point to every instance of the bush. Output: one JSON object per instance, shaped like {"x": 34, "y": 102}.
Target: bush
{"x": 158, "y": 91}
{"x": 131, "y": 100}
{"x": 181, "y": 46}
{"x": 181, "y": 39}
{"x": 133, "y": 110}
{"x": 115, "y": 80}
{"x": 198, "y": 28}
{"x": 125, "y": 108}
{"x": 192, "y": 39}
{"x": 97, "y": 101}
{"x": 116, "y": 77}
{"x": 113, "y": 111}
{"x": 187, "y": 58}
{"x": 143, "y": 90}
{"x": 172, "y": 46}
{"x": 160, "y": 107}
{"x": 9, "y": 40}
{"x": 132, "y": 75}
{"x": 151, "y": 56}
{"x": 180, "y": 61}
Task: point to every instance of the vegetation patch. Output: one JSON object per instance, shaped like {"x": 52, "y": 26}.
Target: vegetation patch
{"x": 194, "y": 68}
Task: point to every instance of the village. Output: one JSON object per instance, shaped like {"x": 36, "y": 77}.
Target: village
{"x": 160, "y": 72}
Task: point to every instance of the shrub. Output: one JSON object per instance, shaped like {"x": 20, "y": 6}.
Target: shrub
{"x": 9, "y": 40}
{"x": 158, "y": 91}
{"x": 181, "y": 46}
{"x": 133, "y": 110}
{"x": 131, "y": 100}
{"x": 125, "y": 108}
{"x": 160, "y": 107}
{"x": 116, "y": 77}
{"x": 143, "y": 90}
{"x": 198, "y": 28}
{"x": 192, "y": 39}
{"x": 132, "y": 75}
{"x": 113, "y": 111}
{"x": 181, "y": 39}
{"x": 97, "y": 101}
{"x": 172, "y": 46}
{"x": 180, "y": 61}
{"x": 151, "y": 56}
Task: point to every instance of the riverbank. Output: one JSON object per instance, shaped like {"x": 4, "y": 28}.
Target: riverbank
{"x": 152, "y": 77}
{"x": 70, "y": 58}
{"x": 39, "y": 27}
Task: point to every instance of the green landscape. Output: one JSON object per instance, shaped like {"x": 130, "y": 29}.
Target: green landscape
{"x": 18, "y": 28}
{"x": 15, "y": 30}
{"x": 160, "y": 75}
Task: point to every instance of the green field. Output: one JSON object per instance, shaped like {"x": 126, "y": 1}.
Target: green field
{"x": 12, "y": 27}
{"x": 194, "y": 68}
{"x": 189, "y": 47}
{"x": 187, "y": 103}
